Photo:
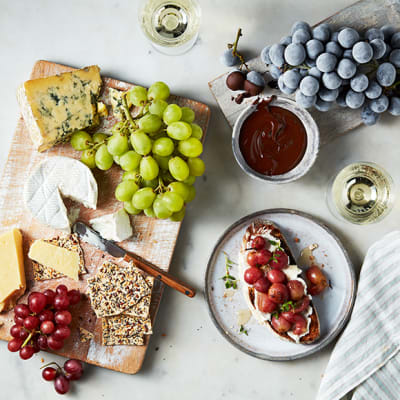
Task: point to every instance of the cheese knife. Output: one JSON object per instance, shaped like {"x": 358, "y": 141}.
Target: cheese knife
{"x": 90, "y": 236}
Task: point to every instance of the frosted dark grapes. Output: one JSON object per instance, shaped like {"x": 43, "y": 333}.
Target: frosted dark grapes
{"x": 321, "y": 68}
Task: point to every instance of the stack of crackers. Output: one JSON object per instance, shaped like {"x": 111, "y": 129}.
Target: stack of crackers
{"x": 121, "y": 296}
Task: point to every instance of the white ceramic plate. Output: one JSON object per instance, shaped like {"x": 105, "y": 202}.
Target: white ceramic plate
{"x": 333, "y": 306}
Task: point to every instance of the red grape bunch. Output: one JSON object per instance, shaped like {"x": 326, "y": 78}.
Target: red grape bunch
{"x": 72, "y": 371}
{"x": 43, "y": 323}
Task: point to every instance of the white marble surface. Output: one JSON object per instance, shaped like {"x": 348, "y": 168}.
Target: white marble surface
{"x": 187, "y": 357}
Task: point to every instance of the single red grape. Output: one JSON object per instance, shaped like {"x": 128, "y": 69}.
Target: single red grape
{"x": 258, "y": 243}
{"x": 278, "y": 293}
{"x": 317, "y": 279}
{"x": 281, "y": 324}
{"x": 276, "y": 276}
{"x": 61, "y": 384}
{"x": 263, "y": 256}
{"x": 49, "y": 374}
{"x": 46, "y": 315}
{"x": 15, "y": 344}
{"x": 252, "y": 274}
{"x": 61, "y": 332}
{"x": 47, "y": 327}
{"x": 264, "y": 304}
{"x": 31, "y": 322}
{"x": 300, "y": 324}
{"x": 37, "y": 302}
{"x": 50, "y": 294}
{"x": 74, "y": 369}
{"x": 26, "y": 352}
{"x": 74, "y": 296}
{"x": 280, "y": 260}
{"x": 61, "y": 302}
{"x": 296, "y": 289}
{"x": 252, "y": 258}
{"x": 19, "y": 320}
{"x": 301, "y": 305}
{"x": 62, "y": 290}
{"x": 42, "y": 342}
{"x": 21, "y": 310}
{"x": 15, "y": 331}
{"x": 289, "y": 315}
{"x": 63, "y": 317}
{"x": 262, "y": 285}
{"x": 53, "y": 343}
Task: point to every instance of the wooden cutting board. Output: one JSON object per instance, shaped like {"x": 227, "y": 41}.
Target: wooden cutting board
{"x": 153, "y": 239}
{"x": 337, "y": 121}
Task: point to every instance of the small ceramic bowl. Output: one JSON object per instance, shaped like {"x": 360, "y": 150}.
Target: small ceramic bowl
{"x": 311, "y": 151}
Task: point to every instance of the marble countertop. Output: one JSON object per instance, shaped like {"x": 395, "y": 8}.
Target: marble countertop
{"x": 187, "y": 357}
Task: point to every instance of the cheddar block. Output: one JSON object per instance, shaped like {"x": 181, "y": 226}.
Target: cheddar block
{"x": 12, "y": 273}
{"x": 55, "y": 257}
{"x": 56, "y": 106}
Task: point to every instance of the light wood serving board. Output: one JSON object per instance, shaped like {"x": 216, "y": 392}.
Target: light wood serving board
{"x": 337, "y": 121}
{"x": 153, "y": 239}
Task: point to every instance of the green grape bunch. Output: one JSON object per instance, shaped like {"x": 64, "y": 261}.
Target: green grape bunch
{"x": 158, "y": 150}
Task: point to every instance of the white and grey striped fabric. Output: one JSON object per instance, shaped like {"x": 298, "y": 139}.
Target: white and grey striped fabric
{"x": 365, "y": 363}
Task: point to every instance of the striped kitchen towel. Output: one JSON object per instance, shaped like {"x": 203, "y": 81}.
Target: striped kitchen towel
{"x": 365, "y": 363}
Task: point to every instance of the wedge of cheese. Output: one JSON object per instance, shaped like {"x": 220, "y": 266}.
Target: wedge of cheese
{"x": 12, "y": 273}
{"x": 55, "y": 107}
{"x": 58, "y": 258}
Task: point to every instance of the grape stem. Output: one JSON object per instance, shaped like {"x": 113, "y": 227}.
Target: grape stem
{"x": 27, "y": 339}
{"x": 51, "y": 363}
{"x": 127, "y": 113}
{"x": 235, "y": 52}
{"x": 161, "y": 187}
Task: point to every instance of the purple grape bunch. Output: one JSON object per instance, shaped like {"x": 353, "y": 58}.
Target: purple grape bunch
{"x": 322, "y": 67}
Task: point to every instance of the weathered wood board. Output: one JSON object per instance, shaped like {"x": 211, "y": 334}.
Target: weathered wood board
{"x": 337, "y": 121}
{"x": 153, "y": 239}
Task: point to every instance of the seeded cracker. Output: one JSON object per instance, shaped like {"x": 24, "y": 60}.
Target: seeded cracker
{"x": 70, "y": 242}
{"x": 85, "y": 335}
{"x": 124, "y": 330}
{"x": 140, "y": 309}
{"x": 115, "y": 289}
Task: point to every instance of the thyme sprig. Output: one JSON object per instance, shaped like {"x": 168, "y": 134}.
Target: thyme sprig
{"x": 230, "y": 281}
{"x": 243, "y": 330}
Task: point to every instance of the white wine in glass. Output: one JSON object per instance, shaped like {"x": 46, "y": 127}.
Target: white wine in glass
{"x": 171, "y": 26}
{"x": 361, "y": 193}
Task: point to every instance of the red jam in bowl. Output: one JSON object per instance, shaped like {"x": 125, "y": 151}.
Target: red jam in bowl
{"x": 272, "y": 140}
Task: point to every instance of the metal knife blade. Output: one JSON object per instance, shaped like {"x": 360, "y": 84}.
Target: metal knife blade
{"x": 90, "y": 236}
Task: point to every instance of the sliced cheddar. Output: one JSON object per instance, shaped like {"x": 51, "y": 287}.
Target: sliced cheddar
{"x": 12, "y": 272}
{"x": 58, "y": 258}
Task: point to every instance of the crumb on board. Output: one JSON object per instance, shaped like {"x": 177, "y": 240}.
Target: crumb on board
{"x": 296, "y": 239}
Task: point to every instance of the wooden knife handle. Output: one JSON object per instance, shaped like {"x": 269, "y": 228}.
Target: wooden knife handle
{"x": 158, "y": 273}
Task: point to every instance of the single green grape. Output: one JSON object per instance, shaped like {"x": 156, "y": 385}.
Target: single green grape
{"x": 143, "y": 198}
{"x": 192, "y": 194}
{"x": 187, "y": 115}
{"x": 103, "y": 158}
{"x": 173, "y": 201}
{"x": 162, "y": 161}
{"x": 189, "y": 180}
{"x": 163, "y": 146}
{"x": 190, "y": 147}
{"x": 197, "y": 132}
{"x": 117, "y": 128}
{"x": 81, "y": 140}
{"x": 130, "y": 160}
{"x": 99, "y": 137}
{"x": 152, "y": 184}
{"x": 178, "y": 216}
{"x": 131, "y": 175}
{"x": 158, "y": 91}
{"x": 117, "y": 145}
{"x": 179, "y": 188}
{"x": 130, "y": 209}
{"x": 88, "y": 157}
{"x": 157, "y": 107}
{"x": 178, "y": 168}
{"x": 149, "y": 168}
{"x": 179, "y": 130}
{"x": 125, "y": 190}
{"x": 150, "y": 123}
{"x": 172, "y": 114}
{"x": 160, "y": 208}
{"x": 196, "y": 166}
{"x": 149, "y": 212}
{"x": 136, "y": 96}
{"x": 141, "y": 143}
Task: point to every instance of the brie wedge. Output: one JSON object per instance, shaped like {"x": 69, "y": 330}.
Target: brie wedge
{"x": 56, "y": 177}
{"x": 116, "y": 226}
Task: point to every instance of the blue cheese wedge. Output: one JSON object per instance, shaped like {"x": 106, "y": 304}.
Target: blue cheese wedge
{"x": 56, "y": 106}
